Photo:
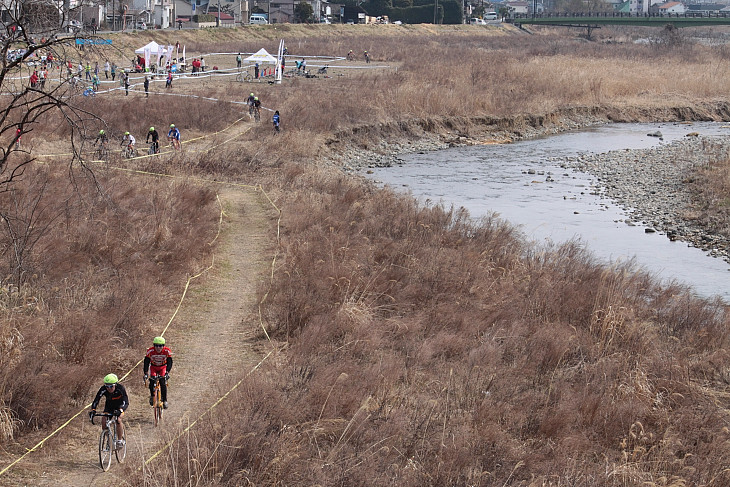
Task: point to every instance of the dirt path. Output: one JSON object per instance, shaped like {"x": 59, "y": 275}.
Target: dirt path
{"x": 219, "y": 313}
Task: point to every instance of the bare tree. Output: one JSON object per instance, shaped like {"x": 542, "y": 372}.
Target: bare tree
{"x": 32, "y": 37}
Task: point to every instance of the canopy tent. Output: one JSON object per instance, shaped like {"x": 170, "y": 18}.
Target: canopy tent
{"x": 153, "y": 48}
{"x": 261, "y": 57}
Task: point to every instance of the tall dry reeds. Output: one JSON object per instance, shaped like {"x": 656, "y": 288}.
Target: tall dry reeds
{"x": 423, "y": 348}
{"x": 100, "y": 256}
{"x": 427, "y": 349}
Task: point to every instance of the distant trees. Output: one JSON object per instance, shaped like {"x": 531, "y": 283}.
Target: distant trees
{"x": 303, "y": 13}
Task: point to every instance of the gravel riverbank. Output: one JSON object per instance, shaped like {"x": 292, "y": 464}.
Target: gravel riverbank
{"x": 650, "y": 184}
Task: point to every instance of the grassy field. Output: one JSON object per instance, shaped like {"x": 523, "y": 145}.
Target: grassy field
{"x": 418, "y": 347}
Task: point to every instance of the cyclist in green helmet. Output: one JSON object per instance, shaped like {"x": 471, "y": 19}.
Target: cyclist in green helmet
{"x": 116, "y": 403}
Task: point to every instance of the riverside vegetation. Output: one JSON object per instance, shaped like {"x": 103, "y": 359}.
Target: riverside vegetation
{"x": 418, "y": 347}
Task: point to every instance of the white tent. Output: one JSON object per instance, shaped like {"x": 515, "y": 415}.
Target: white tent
{"x": 153, "y": 48}
{"x": 261, "y": 57}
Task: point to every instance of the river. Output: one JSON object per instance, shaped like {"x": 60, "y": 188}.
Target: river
{"x": 524, "y": 184}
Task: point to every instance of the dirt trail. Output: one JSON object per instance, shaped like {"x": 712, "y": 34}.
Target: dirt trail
{"x": 219, "y": 313}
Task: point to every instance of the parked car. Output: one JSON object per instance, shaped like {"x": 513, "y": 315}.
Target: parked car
{"x": 257, "y": 19}
{"x": 491, "y": 16}
{"x": 477, "y": 21}
{"x": 74, "y": 26}
{"x": 141, "y": 25}
{"x": 324, "y": 20}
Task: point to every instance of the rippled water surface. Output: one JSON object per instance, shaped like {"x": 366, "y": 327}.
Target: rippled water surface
{"x": 494, "y": 178}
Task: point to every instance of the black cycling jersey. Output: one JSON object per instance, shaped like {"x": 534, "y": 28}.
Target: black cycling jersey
{"x": 114, "y": 400}
{"x": 155, "y": 136}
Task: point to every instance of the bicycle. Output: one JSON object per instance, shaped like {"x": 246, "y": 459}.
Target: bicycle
{"x": 102, "y": 153}
{"x": 154, "y": 148}
{"x": 244, "y": 76}
{"x": 157, "y": 404}
{"x": 129, "y": 152}
{"x": 256, "y": 114}
{"x": 108, "y": 441}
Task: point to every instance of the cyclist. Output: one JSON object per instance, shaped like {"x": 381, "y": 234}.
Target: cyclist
{"x": 277, "y": 121}
{"x": 173, "y": 135}
{"x": 249, "y": 101}
{"x": 256, "y": 105}
{"x": 155, "y": 140}
{"x": 116, "y": 403}
{"x": 129, "y": 140}
{"x": 350, "y": 55}
{"x": 158, "y": 362}
{"x": 101, "y": 139}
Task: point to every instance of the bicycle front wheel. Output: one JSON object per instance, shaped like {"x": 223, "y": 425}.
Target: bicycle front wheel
{"x": 121, "y": 453}
{"x": 157, "y": 406}
{"x": 105, "y": 450}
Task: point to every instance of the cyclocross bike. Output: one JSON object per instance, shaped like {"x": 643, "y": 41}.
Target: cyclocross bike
{"x": 102, "y": 152}
{"x": 129, "y": 152}
{"x": 157, "y": 405}
{"x": 108, "y": 441}
{"x": 244, "y": 76}
{"x": 154, "y": 148}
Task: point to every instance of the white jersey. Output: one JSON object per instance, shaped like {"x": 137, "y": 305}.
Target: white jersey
{"x": 130, "y": 139}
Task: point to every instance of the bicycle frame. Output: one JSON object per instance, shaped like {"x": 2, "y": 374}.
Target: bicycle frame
{"x": 157, "y": 398}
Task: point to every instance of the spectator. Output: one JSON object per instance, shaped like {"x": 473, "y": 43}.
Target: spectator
{"x": 106, "y": 70}
{"x": 147, "y": 86}
{"x": 42, "y": 75}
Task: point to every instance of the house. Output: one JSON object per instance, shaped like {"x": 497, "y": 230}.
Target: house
{"x": 669, "y": 8}
{"x": 704, "y": 8}
{"x": 235, "y": 9}
{"x": 517, "y": 7}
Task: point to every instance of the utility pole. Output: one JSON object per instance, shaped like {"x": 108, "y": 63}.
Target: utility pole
{"x": 435, "y": 9}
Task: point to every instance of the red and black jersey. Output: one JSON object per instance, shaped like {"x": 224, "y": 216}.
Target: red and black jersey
{"x": 158, "y": 359}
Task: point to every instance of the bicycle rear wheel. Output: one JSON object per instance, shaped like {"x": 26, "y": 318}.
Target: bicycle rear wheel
{"x": 121, "y": 453}
{"x": 105, "y": 450}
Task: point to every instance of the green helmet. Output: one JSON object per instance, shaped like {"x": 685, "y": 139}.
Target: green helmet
{"x": 251, "y": 94}
{"x": 158, "y": 341}
{"x": 126, "y": 133}
{"x": 172, "y": 125}
{"x": 101, "y": 132}
{"x": 256, "y": 98}
{"x": 152, "y": 129}
{"x": 111, "y": 379}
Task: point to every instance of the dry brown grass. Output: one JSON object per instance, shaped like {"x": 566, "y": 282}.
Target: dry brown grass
{"x": 423, "y": 348}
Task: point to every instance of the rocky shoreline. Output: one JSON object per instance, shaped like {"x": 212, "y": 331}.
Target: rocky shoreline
{"x": 650, "y": 184}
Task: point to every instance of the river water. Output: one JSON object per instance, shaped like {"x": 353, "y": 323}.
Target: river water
{"x": 495, "y": 179}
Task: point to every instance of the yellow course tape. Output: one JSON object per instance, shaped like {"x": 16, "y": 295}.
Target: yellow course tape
{"x": 212, "y": 406}
{"x": 182, "y": 297}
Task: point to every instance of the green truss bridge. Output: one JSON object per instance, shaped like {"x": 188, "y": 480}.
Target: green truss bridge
{"x": 597, "y": 19}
